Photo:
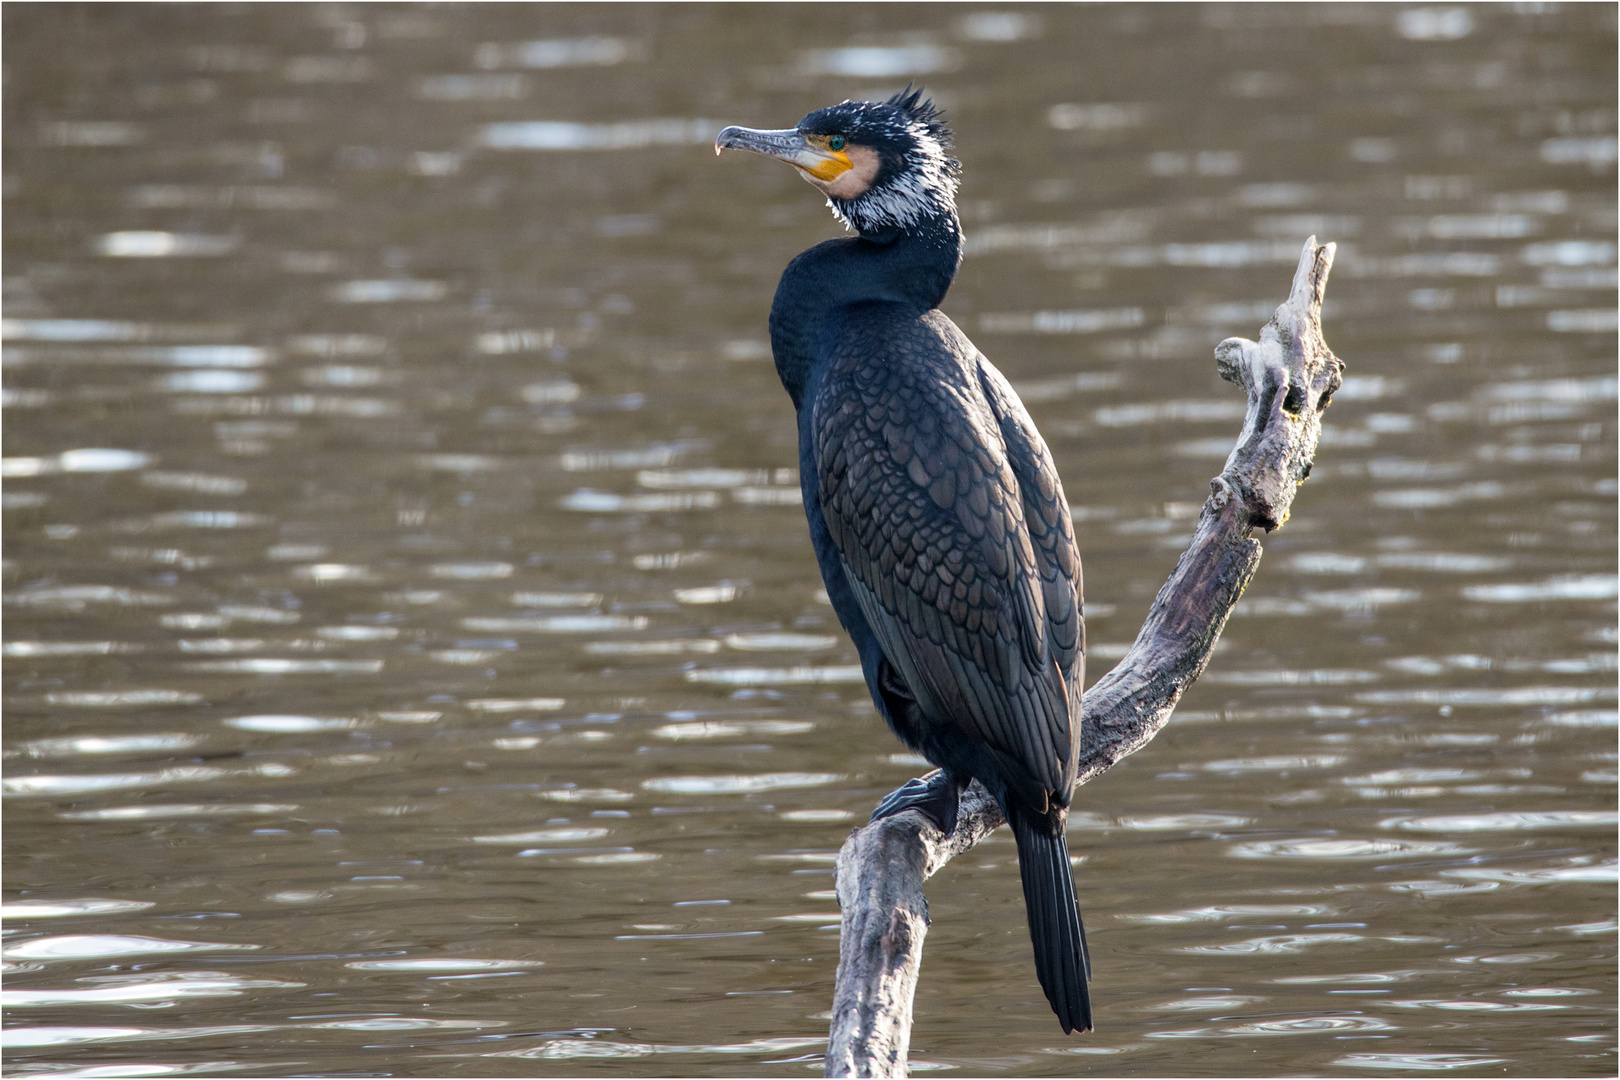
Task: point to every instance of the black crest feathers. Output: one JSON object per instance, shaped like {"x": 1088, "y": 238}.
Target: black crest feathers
{"x": 923, "y": 112}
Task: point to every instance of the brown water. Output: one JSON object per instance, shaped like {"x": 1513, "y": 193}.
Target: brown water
{"x": 415, "y": 660}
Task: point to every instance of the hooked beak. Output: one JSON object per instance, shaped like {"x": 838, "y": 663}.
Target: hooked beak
{"x": 789, "y": 145}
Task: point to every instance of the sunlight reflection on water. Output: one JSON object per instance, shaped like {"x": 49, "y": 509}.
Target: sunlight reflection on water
{"x": 405, "y": 562}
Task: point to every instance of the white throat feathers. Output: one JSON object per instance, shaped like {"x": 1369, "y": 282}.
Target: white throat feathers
{"x": 923, "y": 187}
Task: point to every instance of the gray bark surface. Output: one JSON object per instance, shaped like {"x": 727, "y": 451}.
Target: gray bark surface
{"x": 1289, "y": 375}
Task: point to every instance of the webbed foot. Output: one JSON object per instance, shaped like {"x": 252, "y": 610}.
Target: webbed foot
{"x": 936, "y": 798}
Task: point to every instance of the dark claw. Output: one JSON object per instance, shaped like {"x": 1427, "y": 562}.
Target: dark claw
{"x": 936, "y": 799}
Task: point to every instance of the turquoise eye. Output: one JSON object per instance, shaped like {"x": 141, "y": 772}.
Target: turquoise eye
{"x": 835, "y": 143}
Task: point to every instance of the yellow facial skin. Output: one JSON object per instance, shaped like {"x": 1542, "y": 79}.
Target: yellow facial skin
{"x": 829, "y": 164}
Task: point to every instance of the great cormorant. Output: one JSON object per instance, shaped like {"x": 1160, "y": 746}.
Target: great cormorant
{"x": 937, "y": 517}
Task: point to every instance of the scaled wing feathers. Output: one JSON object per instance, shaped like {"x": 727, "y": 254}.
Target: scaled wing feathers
{"x": 954, "y": 535}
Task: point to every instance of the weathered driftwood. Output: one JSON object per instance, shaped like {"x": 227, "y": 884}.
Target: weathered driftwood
{"x": 1289, "y": 375}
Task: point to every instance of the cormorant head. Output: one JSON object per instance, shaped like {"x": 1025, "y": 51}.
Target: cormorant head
{"x": 882, "y": 165}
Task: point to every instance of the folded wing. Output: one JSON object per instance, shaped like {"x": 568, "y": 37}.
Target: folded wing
{"x": 953, "y": 534}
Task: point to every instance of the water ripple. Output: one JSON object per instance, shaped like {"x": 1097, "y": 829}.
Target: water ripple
{"x": 144, "y": 989}
{"x": 608, "y": 795}
{"x": 1509, "y": 696}
{"x": 847, "y": 673}
{"x": 604, "y": 502}
{"x": 63, "y": 1036}
{"x": 1548, "y": 819}
{"x": 438, "y": 964}
{"x": 566, "y": 1049}
{"x": 1208, "y": 1004}
{"x": 1310, "y": 1025}
{"x": 265, "y": 665}
{"x": 567, "y": 135}
{"x": 1231, "y": 911}
{"x": 87, "y": 461}
{"x": 287, "y": 724}
{"x": 1178, "y": 822}
{"x": 557, "y": 624}
{"x": 121, "y": 699}
{"x": 506, "y": 705}
{"x": 1442, "y": 888}
{"x": 880, "y": 61}
{"x": 1473, "y": 1005}
{"x": 1354, "y": 978}
{"x": 1322, "y": 848}
{"x": 556, "y": 599}
{"x": 472, "y": 570}
{"x": 771, "y": 642}
{"x": 55, "y": 909}
{"x": 388, "y": 291}
{"x": 542, "y": 836}
{"x": 71, "y": 330}
{"x": 145, "y": 812}
{"x": 652, "y": 648}
{"x": 76, "y": 597}
{"x": 109, "y": 744}
{"x": 1276, "y": 945}
{"x": 611, "y": 858}
{"x": 35, "y": 649}
{"x": 721, "y": 729}
{"x": 69, "y": 1036}
{"x": 555, "y": 53}
{"x": 701, "y": 478}
{"x": 1566, "y": 587}
{"x": 1572, "y": 873}
{"x": 707, "y": 594}
{"x": 1274, "y": 764}
{"x": 102, "y": 946}
{"x": 732, "y": 785}
{"x": 1413, "y": 776}
{"x": 49, "y": 786}
{"x": 1425, "y": 1062}
{"x": 1361, "y": 600}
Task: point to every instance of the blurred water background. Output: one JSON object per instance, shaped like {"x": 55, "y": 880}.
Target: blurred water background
{"x": 415, "y": 663}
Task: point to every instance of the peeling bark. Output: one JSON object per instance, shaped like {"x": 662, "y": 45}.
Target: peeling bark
{"x": 1289, "y": 376}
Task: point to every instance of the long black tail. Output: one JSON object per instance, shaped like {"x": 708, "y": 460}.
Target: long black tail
{"x": 1061, "y": 961}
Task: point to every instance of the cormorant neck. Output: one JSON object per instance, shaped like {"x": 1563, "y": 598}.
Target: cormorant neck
{"x": 912, "y": 267}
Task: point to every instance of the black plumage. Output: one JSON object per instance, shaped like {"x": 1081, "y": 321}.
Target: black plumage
{"x": 937, "y": 517}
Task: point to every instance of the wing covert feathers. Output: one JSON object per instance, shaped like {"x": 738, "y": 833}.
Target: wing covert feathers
{"x": 943, "y": 504}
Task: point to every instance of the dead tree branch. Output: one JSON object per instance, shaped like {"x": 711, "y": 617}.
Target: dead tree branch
{"x": 1289, "y": 375}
